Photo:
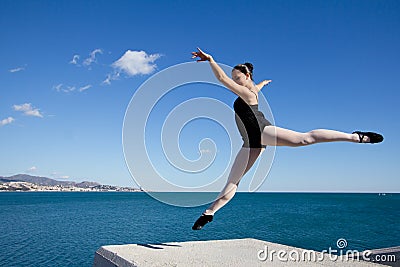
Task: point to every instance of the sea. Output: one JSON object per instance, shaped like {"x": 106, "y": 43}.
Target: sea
{"x": 66, "y": 228}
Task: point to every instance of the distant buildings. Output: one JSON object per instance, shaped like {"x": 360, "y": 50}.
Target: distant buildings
{"x": 26, "y": 186}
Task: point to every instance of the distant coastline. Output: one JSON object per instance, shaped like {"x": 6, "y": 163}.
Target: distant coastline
{"x": 28, "y": 183}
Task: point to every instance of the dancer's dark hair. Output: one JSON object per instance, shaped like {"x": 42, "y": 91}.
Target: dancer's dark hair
{"x": 245, "y": 68}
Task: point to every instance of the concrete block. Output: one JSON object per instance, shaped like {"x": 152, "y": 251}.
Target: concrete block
{"x": 234, "y": 252}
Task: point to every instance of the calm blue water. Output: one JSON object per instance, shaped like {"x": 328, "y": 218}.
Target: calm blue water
{"x": 65, "y": 229}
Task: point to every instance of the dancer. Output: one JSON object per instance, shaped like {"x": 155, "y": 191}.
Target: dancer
{"x": 257, "y": 132}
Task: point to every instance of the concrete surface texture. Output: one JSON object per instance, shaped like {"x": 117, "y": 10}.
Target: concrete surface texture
{"x": 235, "y": 252}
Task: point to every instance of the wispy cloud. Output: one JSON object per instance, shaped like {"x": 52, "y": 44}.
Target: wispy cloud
{"x": 68, "y": 89}
{"x": 6, "y": 121}
{"x": 111, "y": 77}
{"x": 84, "y": 88}
{"x": 17, "y": 69}
{"x": 28, "y": 110}
{"x": 32, "y": 169}
{"x": 92, "y": 57}
{"x": 136, "y": 62}
{"x": 62, "y": 88}
{"x": 74, "y": 60}
{"x": 58, "y": 87}
{"x": 107, "y": 80}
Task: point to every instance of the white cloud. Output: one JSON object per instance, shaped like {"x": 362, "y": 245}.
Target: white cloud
{"x": 64, "y": 88}
{"x": 58, "y": 87}
{"x": 84, "y": 88}
{"x": 92, "y": 57}
{"x": 107, "y": 80}
{"x": 74, "y": 60}
{"x": 17, "y": 69}
{"x": 32, "y": 169}
{"x": 67, "y": 89}
{"x": 111, "y": 77}
{"x": 28, "y": 110}
{"x": 6, "y": 121}
{"x": 136, "y": 62}
{"x": 64, "y": 177}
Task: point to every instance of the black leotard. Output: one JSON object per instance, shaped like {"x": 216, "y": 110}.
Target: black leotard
{"x": 250, "y": 122}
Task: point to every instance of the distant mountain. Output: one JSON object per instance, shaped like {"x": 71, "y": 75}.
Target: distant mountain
{"x": 44, "y": 181}
{"x": 86, "y": 184}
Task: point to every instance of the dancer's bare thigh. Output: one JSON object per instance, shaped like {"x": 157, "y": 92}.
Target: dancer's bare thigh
{"x": 243, "y": 162}
{"x": 277, "y": 136}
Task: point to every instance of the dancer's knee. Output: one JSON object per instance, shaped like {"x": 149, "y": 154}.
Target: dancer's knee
{"x": 228, "y": 194}
{"x": 227, "y": 197}
{"x": 308, "y": 138}
{"x": 305, "y": 139}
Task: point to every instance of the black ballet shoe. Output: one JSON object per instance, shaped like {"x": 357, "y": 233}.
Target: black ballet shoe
{"x": 201, "y": 221}
{"x": 373, "y": 137}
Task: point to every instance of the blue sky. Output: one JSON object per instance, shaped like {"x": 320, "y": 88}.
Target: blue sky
{"x": 70, "y": 68}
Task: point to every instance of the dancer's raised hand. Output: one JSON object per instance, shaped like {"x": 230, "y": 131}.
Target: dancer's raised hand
{"x": 262, "y": 84}
{"x": 202, "y": 55}
{"x": 266, "y": 82}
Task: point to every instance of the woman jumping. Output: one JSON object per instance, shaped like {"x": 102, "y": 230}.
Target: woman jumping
{"x": 257, "y": 132}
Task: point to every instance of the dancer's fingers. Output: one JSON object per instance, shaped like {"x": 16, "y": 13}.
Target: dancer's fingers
{"x": 203, "y": 56}
{"x": 201, "y": 51}
{"x": 194, "y": 55}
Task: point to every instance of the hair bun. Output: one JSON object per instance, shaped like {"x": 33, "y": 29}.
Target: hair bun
{"x": 249, "y": 66}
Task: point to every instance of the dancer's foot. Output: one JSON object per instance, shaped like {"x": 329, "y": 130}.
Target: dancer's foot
{"x": 201, "y": 221}
{"x": 368, "y": 137}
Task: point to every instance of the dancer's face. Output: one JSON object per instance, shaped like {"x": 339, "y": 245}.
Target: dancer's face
{"x": 239, "y": 77}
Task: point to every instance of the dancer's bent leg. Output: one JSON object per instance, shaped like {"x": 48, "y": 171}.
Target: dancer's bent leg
{"x": 243, "y": 162}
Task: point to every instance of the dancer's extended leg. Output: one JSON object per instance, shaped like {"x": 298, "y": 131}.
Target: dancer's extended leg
{"x": 276, "y": 136}
{"x": 243, "y": 162}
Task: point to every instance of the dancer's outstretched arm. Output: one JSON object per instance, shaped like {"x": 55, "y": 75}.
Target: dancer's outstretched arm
{"x": 219, "y": 73}
{"x": 262, "y": 84}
